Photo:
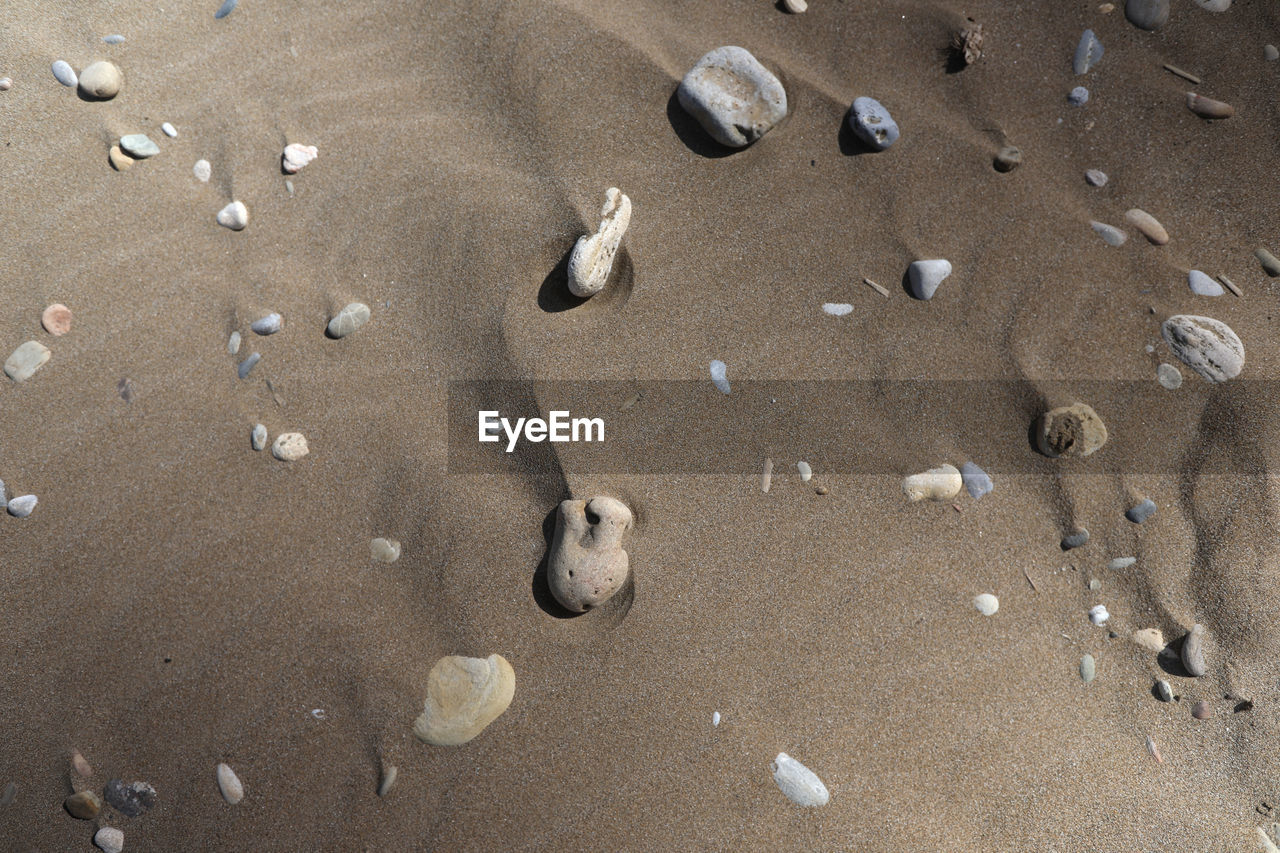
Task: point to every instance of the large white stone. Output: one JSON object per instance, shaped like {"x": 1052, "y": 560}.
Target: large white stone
{"x": 735, "y": 98}
{"x": 801, "y": 785}
{"x": 1207, "y": 346}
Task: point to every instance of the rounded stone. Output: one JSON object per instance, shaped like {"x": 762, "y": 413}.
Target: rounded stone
{"x": 101, "y": 80}
{"x": 6, "y": 83}
{"x": 587, "y": 563}
{"x": 350, "y": 318}
{"x": 56, "y": 319}
{"x": 64, "y": 73}
{"x": 1150, "y": 639}
{"x": 258, "y": 438}
{"x": 1070, "y": 431}
{"x": 1077, "y": 538}
{"x": 871, "y": 122}
{"x": 169, "y": 130}
{"x": 1098, "y": 614}
{"x": 1270, "y": 53}
{"x": 202, "y": 171}
{"x": 22, "y": 506}
{"x": 464, "y": 695}
{"x": 976, "y": 481}
{"x": 1141, "y": 512}
{"x": 83, "y": 805}
{"x": 118, "y": 159}
{"x": 1147, "y": 14}
{"x": 290, "y": 447}
{"x": 1008, "y": 158}
{"x": 229, "y": 784}
{"x": 1148, "y": 225}
{"x": 296, "y": 156}
{"x": 1095, "y": 177}
{"x": 268, "y": 325}
{"x": 108, "y": 839}
{"x": 1088, "y": 668}
{"x": 1201, "y": 710}
{"x": 800, "y": 784}
{"x": 1193, "y": 651}
{"x": 1207, "y": 346}
{"x": 384, "y": 550}
{"x": 986, "y": 604}
{"x": 937, "y": 484}
{"x": 1078, "y": 97}
{"x": 139, "y": 146}
{"x": 735, "y": 98}
{"x": 234, "y": 216}
{"x": 925, "y": 276}
{"x": 1164, "y": 690}
{"x": 1111, "y": 235}
{"x": 1169, "y": 376}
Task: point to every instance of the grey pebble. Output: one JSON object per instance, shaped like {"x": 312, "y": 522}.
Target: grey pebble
{"x": 1109, "y": 233}
{"x": 1270, "y": 264}
{"x": 64, "y": 73}
{"x": 1121, "y": 563}
{"x": 129, "y": 800}
{"x": 1147, "y": 14}
{"x": 1078, "y": 97}
{"x": 139, "y": 146}
{"x": 1193, "y": 650}
{"x": 1202, "y": 285}
{"x": 1095, "y": 177}
{"x": 1164, "y": 690}
{"x": 1169, "y": 376}
{"x": 10, "y": 794}
{"x": 233, "y": 343}
{"x": 258, "y": 438}
{"x": 871, "y": 122}
{"x": 1075, "y": 539}
{"x": 1141, "y": 512}
{"x": 735, "y": 98}
{"x": 268, "y": 325}
{"x": 1088, "y": 53}
{"x": 224, "y": 9}
{"x": 247, "y": 364}
{"x": 346, "y": 321}
{"x": 1088, "y": 668}
{"x": 976, "y": 481}
{"x": 1269, "y": 53}
{"x": 113, "y": 39}
{"x": 22, "y": 506}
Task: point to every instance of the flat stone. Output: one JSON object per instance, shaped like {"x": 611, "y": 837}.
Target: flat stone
{"x": 26, "y": 360}
{"x": 464, "y": 695}
{"x": 296, "y": 156}
{"x": 937, "y": 484}
{"x": 1121, "y": 563}
{"x": 837, "y": 309}
{"x": 258, "y": 438}
{"x": 56, "y": 319}
{"x": 804, "y": 468}
{"x": 1147, "y": 225}
{"x": 1088, "y": 668}
{"x": 1078, "y": 97}
{"x": 1088, "y": 53}
{"x": 735, "y": 98}
{"x": 925, "y": 276}
{"x": 1147, "y": 15}
{"x": 290, "y": 447}
{"x": 870, "y": 121}
{"x": 169, "y": 130}
{"x": 1202, "y": 285}
{"x": 1214, "y": 5}
{"x": 108, "y": 839}
{"x": 350, "y": 318}
{"x": 800, "y": 784}
{"x": 101, "y": 80}
{"x": 202, "y": 170}
{"x": 114, "y": 38}
{"x": 268, "y": 325}
{"x": 1070, "y": 431}
{"x": 976, "y": 481}
{"x": 986, "y": 604}
{"x": 64, "y": 73}
{"x": 80, "y": 765}
{"x": 139, "y": 146}
{"x": 229, "y": 784}
{"x": 247, "y": 365}
{"x": 1207, "y": 346}
{"x": 1169, "y": 376}
{"x": 1007, "y": 159}
{"x": 225, "y": 9}
{"x": 1164, "y": 690}
{"x": 384, "y": 550}
{"x": 1095, "y": 177}
{"x": 130, "y": 800}
{"x": 22, "y": 506}
{"x": 1109, "y": 233}
{"x": 1077, "y": 538}
{"x": 1141, "y": 512}
{"x": 1193, "y": 651}
{"x": 587, "y": 562}
{"x": 83, "y": 805}
{"x": 234, "y": 216}
{"x": 119, "y": 160}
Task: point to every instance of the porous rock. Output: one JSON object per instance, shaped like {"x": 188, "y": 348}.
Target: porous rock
{"x": 587, "y": 563}
{"x": 1074, "y": 430}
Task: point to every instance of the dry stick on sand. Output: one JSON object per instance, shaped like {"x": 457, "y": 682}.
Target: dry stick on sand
{"x": 875, "y": 287}
{"x": 1184, "y": 75}
{"x": 1029, "y": 580}
{"x": 1231, "y": 285}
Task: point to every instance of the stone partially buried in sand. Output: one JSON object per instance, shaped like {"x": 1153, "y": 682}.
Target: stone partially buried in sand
{"x": 937, "y": 484}
{"x": 229, "y": 784}
{"x": 139, "y": 146}
{"x": 464, "y": 695}
{"x": 26, "y": 360}
{"x": 349, "y": 319}
{"x": 735, "y": 98}
{"x": 1070, "y": 431}
{"x": 1193, "y": 651}
{"x": 1206, "y": 345}
{"x": 587, "y": 564}
{"x": 108, "y": 839}
{"x": 592, "y": 258}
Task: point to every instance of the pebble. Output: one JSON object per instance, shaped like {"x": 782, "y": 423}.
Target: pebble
{"x": 22, "y": 506}
{"x": 715, "y": 718}
{"x": 587, "y": 562}
{"x": 10, "y": 794}
{"x": 1078, "y": 97}
{"x": 113, "y": 39}
{"x": 1164, "y": 690}
{"x": 268, "y": 325}
{"x": 1270, "y": 264}
{"x": 925, "y": 276}
{"x": 1088, "y": 668}
{"x": 349, "y": 319}
{"x": 795, "y": 7}
{"x": 464, "y": 695}
{"x": 1150, "y": 639}
{"x": 129, "y": 800}
{"x": 1147, "y": 15}
{"x": 1075, "y": 539}
{"x": 719, "y": 376}
{"x": 1121, "y": 563}
{"x": 806, "y": 471}
{"x": 1141, "y": 512}
{"x": 224, "y": 9}
{"x": 800, "y": 784}
{"x": 1147, "y": 225}
{"x": 837, "y": 309}
{"x": 83, "y": 805}
{"x": 389, "y": 775}
{"x": 976, "y": 481}
{"x": 1098, "y": 614}
{"x": 233, "y": 343}
{"x": 258, "y": 438}
{"x": 296, "y": 156}
{"x": 384, "y": 550}
{"x": 202, "y": 170}
{"x": 101, "y": 80}
{"x": 822, "y": 490}
{"x": 1201, "y": 710}
{"x": 871, "y": 122}
{"x": 592, "y": 258}
{"x": 1208, "y": 107}
{"x": 139, "y": 146}
{"x": 118, "y": 159}
{"x": 1095, "y": 177}
{"x": 1008, "y": 158}
{"x": 986, "y": 604}
{"x": 290, "y": 447}
{"x": 735, "y": 98}
{"x": 245, "y": 366}
{"x": 78, "y": 762}
{"x": 6, "y": 83}
{"x": 1069, "y": 431}
{"x": 937, "y": 484}
{"x": 1095, "y": 584}
{"x": 64, "y": 73}
{"x": 1214, "y": 5}
{"x": 1112, "y": 235}
{"x": 1193, "y": 650}
{"x": 1202, "y": 285}
{"x": 26, "y": 360}
{"x": 169, "y": 130}
{"x": 229, "y": 784}
{"x": 1270, "y": 53}
{"x": 234, "y": 216}
{"x": 766, "y": 478}
{"x": 109, "y": 839}
{"x": 1088, "y": 53}
{"x": 1169, "y": 376}
{"x": 56, "y": 319}
{"x": 1207, "y": 346}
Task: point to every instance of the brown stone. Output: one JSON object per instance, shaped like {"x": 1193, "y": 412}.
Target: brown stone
{"x": 1074, "y": 430}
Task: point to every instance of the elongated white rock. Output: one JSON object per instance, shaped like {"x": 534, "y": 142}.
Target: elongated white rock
{"x": 986, "y": 604}
{"x": 720, "y": 376}
{"x": 229, "y": 785}
{"x": 936, "y": 484}
{"x": 801, "y": 785}
{"x": 1206, "y": 345}
{"x": 64, "y": 73}
{"x": 592, "y": 258}
{"x": 234, "y": 216}
{"x": 925, "y": 276}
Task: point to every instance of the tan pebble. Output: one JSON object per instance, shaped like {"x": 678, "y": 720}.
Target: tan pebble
{"x": 1201, "y": 710}
{"x": 1147, "y": 224}
{"x": 1208, "y": 107}
{"x": 1193, "y": 651}
{"x": 290, "y": 447}
{"x": 1074, "y": 430}
{"x": 56, "y": 319}
{"x": 229, "y": 785}
{"x": 937, "y": 484}
{"x": 100, "y": 80}
{"x": 587, "y": 563}
{"x": 1107, "y": 8}
{"x": 84, "y": 805}
{"x": 1150, "y": 638}
{"x": 81, "y": 766}
{"x": 118, "y": 159}
{"x": 464, "y": 695}
{"x": 388, "y": 781}
{"x": 384, "y": 550}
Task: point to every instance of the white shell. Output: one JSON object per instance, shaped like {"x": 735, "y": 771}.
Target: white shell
{"x": 290, "y": 447}
{"x": 986, "y": 604}
{"x": 296, "y": 156}
{"x": 801, "y": 785}
{"x": 1098, "y": 615}
{"x": 229, "y": 784}
{"x": 234, "y": 216}
{"x": 592, "y": 257}
{"x": 108, "y": 839}
{"x": 719, "y": 376}
{"x": 936, "y": 484}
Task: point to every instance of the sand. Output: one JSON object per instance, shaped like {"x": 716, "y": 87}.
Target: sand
{"x": 177, "y": 600}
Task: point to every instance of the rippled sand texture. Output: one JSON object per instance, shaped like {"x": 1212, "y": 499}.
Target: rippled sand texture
{"x": 178, "y": 600}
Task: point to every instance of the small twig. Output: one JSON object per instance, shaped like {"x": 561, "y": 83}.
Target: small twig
{"x": 1029, "y": 580}
{"x": 1184, "y": 75}
{"x": 1231, "y": 285}
{"x": 876, "y": 287}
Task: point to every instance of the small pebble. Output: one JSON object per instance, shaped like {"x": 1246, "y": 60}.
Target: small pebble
{"x": 80, "y": 765}
{"x": 1110, "y": 234}
{"x": 806, "y": 471}
{"x": 125, "y": 389}
{"x": 837, "y": 309}
{"x": 296, "y": 156}
{"x": 1007, "y": 159}
{"x": 118, "y": 159}
{"x": 224, "y": 9}
{"x": 1141, "y": 512}
{"x": 139, "y": 146}
{"x": 1078, "y": 97}
{"x": 1095, "y": 584}
{"x": 986, "y": 604}
{"x": 384, "y": 550}
{"x": 976, "y": 481}
{"x": 719, "y": 376}
{"x": 1169, "y": 376}
{"x": 1075, "y": 539}
{"x": 56, "y": 319}
{"x": 1269, "y": 53}
{"x": 1270, "y": 264}
{"x": 349, "y": 319}
{"x": 1095, "y": 178}
{"x": 268, "y": 325}
{"x": 1098, "y": 614}
{"x": 388, "y": 781}
{"x": 1193, "y": 651}
{"x": 822, "y": 490}
{"x": 6, "y": 83}
{"x": 1207, "y": 346}
{"x": 1148, "y": 226}
{"x": 109, "y": 839}
{"x": 229, "y": 785}
{"x": 1121, "y": 563}
{"x": 1202, "y": 285}
{"x": 1208, "y": 107}
{"x": 1088, "y": 668}
{"x": 925, "y": 276}
{"x": 715, "y": 718}
{"x": 169, "y": 130}
{"x": 795, "y": 7}
{"x": 101, "y": 80}
{"x": 290, "y": 447}
{"x": 1200, "y": 710}
{"x": 1088, "y": 53}
{"x": 129, "y": 800}
{"x": 1164, "y": 690}
{"x": 258, "y": 438}
{"x": 202, "y": 170}
{"x": 245, "y": 366}
{"x": 10, "y": 794}
{"x": 766, "y": 478}
{"x": 1147, "y": 14}
{"x": 26, "y": 360}
{"x": 113, "y": 39}
{"x": 234, "y": 216}
{"x": 64, "y": 73}
{"x": 83, "y": 805}
{"x": 800, "y": 784}
{"x": 871, "y": 122}
{"x": 233, "y": 343}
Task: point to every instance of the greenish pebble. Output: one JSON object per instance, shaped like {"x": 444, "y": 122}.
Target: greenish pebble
{"x": 1088, "y": 669}
{"x": 139, "y": 146}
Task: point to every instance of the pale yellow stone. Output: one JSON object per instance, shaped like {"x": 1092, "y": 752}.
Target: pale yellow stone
{"x": 463, "y": 696}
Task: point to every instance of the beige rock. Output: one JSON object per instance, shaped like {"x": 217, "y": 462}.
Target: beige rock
{"x": 290, "y": 447}
{"x": 384, "y": 550}
{"x": 109, "y": 839}
{"x": 587, "y": 564}
{"x": 234, "y": 216}
{"x": 229, "y": 784}
{"x": 1069, "y": 431}
{"x": 464, "y": 695}
{"x": 26, "y": 360}
{"x": 592, "y": 258}
{"x": 1193, "y": 651}
{"x": 1150, "y": 639}
{"x": 80, "y": 765}
{"x": 101, "y": 80}
{"x": 56, "y": 319}
{"x": 118, "y": 159}
{"x": 1148, "y": 225}
{"x": 1208, "y": 107}
{"x": 936, "y": 484}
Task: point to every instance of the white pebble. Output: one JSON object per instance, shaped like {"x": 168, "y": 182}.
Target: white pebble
{"x": 719, "y": 376}
{"x": 837, "y": 309}
{"x": 258, "y": 438}
{"x": 936, "y": 484}
{"x": 1098, "y": 615}
{"x": 384, "y": 550}
{"x": 64, "y": 73}
{"x": 1202, "y": 285}
{"x": 229, "y": 784}
{"x": 986, "y": 604}
{"x": 109, "y": 839}
{"x": 169, "y": 130}
{"x": 801, "y": 785}
{"x": 296, "y": 156}
{"x": 22, "y": 506}
{"x": 202, "y": 170}
{"x": 715, "y": 718}
{"x": 234, "y": 216}
{"x": 1096, "y": 177}
{"x": 1109, "y": 233}
{"x": 925, "y": 276}
{"x": 290, "y": 447}
{"x": 268, "y": 325}
{"x": 233, "y": 343}
{"x": 806, "y": 472}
